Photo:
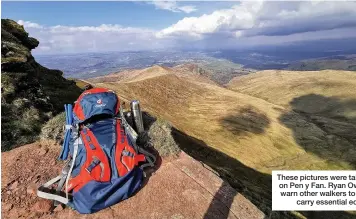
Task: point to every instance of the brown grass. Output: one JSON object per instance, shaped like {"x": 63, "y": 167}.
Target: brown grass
{"x": 256, "y": 121}
{"x": 280, "y": 87}
{"x": 205, "y": 110}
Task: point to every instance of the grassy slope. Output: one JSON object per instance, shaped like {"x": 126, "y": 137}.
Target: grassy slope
{"x": 232, "y": 122}
{"x": 321, "y": 109}
{"x": 280, "y": 87}
{"x": 256, "y": 134}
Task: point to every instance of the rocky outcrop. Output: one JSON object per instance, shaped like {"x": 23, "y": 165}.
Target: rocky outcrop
{"x": 31, "y": 93}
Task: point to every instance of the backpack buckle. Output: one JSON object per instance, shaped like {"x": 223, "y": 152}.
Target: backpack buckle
{"x": 93, "y": 164}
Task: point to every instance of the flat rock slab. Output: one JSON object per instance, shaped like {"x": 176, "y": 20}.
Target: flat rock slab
{"x": 180, "y": 188}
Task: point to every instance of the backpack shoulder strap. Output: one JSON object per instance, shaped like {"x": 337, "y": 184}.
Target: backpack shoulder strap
{"x": 77, "y": 142}
{"x": 44, "y": 191}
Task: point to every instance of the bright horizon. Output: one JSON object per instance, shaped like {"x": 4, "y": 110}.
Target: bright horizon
{"x": 83, "y": 27}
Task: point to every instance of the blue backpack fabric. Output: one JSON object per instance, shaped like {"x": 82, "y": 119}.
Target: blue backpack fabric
{"x": 105, "y": 165}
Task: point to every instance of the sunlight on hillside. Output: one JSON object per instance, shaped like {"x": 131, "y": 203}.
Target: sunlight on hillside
{"x": 269, "y": 126}
{"x": 234, "y": 123}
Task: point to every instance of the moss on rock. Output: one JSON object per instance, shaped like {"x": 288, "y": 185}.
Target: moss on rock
{"x": 53, "y": 129}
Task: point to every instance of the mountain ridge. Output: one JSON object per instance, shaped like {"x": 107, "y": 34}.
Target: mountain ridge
{"x": 231, "y": 121}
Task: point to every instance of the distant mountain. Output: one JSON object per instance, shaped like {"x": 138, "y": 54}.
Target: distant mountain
{"x": 220, "y": 72}
{"x": 340, "y": 62}
{"x": 97, "y": 64}
{"x": 222, "y": 65}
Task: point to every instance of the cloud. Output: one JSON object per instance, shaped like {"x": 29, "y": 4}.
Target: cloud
{"x": 247, "y": 24}
{"x": 29, "y": 24}
{"x": 267, "y": 18}
{"x": 105, "y": 37}
{"x": 104, "y": 28}
{"x": 173, "y": 6}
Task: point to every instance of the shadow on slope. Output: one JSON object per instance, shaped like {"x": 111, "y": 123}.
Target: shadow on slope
{"x": 254, "y": 185}
{"x": 237, "y": 174}
{"x": 330, "y": 107}
{"x": 247, "y": 119}
{"x": 319, "y": 126}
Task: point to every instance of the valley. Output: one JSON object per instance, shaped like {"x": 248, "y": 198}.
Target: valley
{"x": 220, "y": 65}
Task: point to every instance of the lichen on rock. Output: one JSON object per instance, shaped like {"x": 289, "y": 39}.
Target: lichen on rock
{"x": 160, "y": 136}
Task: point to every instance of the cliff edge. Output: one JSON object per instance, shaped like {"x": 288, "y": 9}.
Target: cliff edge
{"x": 30, "y": 93}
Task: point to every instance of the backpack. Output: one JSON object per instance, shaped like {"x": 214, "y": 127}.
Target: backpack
{"x": 105, "y": 165}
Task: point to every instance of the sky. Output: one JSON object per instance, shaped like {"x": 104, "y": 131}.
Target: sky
{"x": 77, "y": 27}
